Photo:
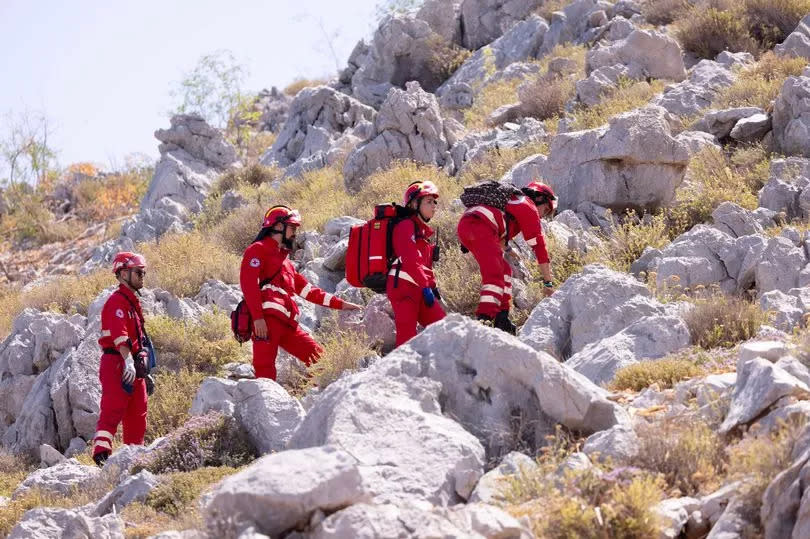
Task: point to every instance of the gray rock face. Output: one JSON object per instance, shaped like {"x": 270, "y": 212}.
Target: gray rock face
{"x": 650, "y": 337}
{"x": 600, "y": 82}
{"x": 134, "y": 488}
{"x": 59, "y": 479}
{"x": 720, "y": 123}
{"x": 735, "y": 220}
{"x": 782, "y": 266}
{"x": 272, "y": 105}
{"x": 474, "y": 146}
{"x": 408, "y": 126}
{"x": 528, "y": 170}
{"x": 491, "y": 484}
{"x": 223, "y": 296}
{"x": 280, "y": 491}
{"x": 443, "y": 17}
{"x": 521, "y": 42}
{"x": 596, "y": 304}
{"x": 484, "y": 21}
{"x": 704, "y": 83}
{"x": 673, "y": 514}
{"x": 50, "y": 523}
{"x": 634, "y": 162}
{"x": 791, "y": 127}
{"x": 751, "y": 129}
{"x": 797, "y": 44}
{"x": 319, "y": 117}
{"x": 645, "y": 53}
{"x": 266, "y": 411}
{"x": 192, "y": 154}
{"x": 784, "y": 511}
{"x": 785, "y": 190}
{"x": 788, "y": 308}
{"x": 571, "y": 24}
{"x": 364, "y": 521}
{"x": 619, "y": 443}
{"x": 696, "y": 141}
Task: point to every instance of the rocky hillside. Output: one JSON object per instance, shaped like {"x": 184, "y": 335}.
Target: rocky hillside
{"x": 662, "y": 391}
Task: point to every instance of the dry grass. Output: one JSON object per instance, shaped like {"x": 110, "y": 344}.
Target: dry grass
{"x": 545, "y": 96}
{"x": 255, "y": 175}
{"x": 178, "y": 490}
{"x": 770, "y": 21}
{"x": 627, "y": 240}
{"x": 343, "y": 350}
{"x": 628, "y": 96}
{"x": 665, "y": 372}
{"x": 709, "y": 30}
{"x": 300, "y": 83}
{"x": 662, "y": 12}
{"x": 170, "y": 403}
{"x": 181, "y": 263}
{"x": 759, "y": 86}
{"x": 236, "y": 231}
{"x": 13, "y": 469}
{"x": 723, "y": 321}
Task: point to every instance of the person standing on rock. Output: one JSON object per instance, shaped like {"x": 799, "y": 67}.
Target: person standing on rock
{"x": 485, "y": 231}
{"x": 125, "y": 362}
{"x": 269, "y": 281}
{"x": 411, "y": 286}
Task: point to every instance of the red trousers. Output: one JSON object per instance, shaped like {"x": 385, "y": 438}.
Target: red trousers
{"x": 410, "y": 308}
{"x": 294, "y": 340}
{"x": 483, "y": 242}
{"x": 118, "y": 406}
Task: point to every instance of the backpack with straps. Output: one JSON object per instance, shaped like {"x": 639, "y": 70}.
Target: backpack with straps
{"x": 143, "y": 337}
{"x": 242, "y": 320}
{"x": 489, "y": 193}
{"x": 370, "y": 252}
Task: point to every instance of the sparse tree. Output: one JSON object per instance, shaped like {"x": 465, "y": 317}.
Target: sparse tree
{"x": 25, "y": 151}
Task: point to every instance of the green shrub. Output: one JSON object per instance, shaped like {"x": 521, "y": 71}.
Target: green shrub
{"x": 545, "y": 96}
{"x": 209, "y": 440}
{"x": 178, "y": 490}
{"x": 709, "y": 30}
{"x": 628, "y": 239}
{"x": 254, "y": 175}
{"x": 771, "y": 21}
{"x": 238, "y": 229}
{"x": 723, "y": 321}
{"x": 666, "y": 372}
{"x": 759, "y": 85}
{"x": 343, "y": 350}
{"x": 170, "y": 403}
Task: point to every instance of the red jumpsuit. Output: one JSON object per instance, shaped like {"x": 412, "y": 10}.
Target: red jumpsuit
{"x": 485, "y": 230}
{"x": 269, "y": 280}
{"x": 121, "y": 324}
{"x": 410, "y": 273}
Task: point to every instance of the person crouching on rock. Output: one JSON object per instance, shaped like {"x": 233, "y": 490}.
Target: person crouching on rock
{"x": 411, "y": 286}
{"x": 269, "y": 281}
{"x": 125, "y": 362}
{"x": 486, "y": 230}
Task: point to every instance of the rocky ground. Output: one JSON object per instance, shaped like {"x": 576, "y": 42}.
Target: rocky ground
{"x": 662, "y": 391}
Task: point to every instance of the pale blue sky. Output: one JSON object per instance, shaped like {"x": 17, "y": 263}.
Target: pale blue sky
{"x": 102, "y": 70}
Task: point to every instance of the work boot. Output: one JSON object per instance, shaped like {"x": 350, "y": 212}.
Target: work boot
{"x": 101, "y": 458}
{"x": 503, "y": 323}
{"x": 486, "y": 320}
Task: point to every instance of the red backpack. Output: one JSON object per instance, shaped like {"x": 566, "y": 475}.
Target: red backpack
{"x": 241, "y": 319}
{"x": 370, "y": 253}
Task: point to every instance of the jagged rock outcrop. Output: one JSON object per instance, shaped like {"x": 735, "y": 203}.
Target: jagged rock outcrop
{"x": 791, "y": 126}
{"x": 797, "y": 42}
{"x": 483, "y": 21}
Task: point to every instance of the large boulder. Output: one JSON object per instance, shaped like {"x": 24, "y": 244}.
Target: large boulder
{"x": 591, "y": 306}
{"x": 281, "y": 491}
{"x": 52, "y": 523}
{"x": 272, "y": 106}
{"x": 791, "y": 117}
{"x": 797, "y": 44}
{"x": 721, "y": 123}
{"x": 192, "y": 155}
{"x": 492, "y": 484}
{"x": 783, "y": 266}
{"x": 474, "y": 147}
{"x": 788, "y": 308}
{"x": 786, "y": 190}
{"x": 60, "y": 479}
{"x": 135, "y": 488}
{"x": 483, "y": 21}
{"x": 521, "y": 42}
{"x": 645, "y": 53}
{"x": 408, "y": 126}
{"x": 634, "y": 162}
{"x": 571, "y": 24}
{"x": 319, "y": 119}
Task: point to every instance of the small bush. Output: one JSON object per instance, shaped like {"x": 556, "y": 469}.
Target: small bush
{"x": 170, "y": 403}
{"x": 29, "y": 223}
{"x": 255, "y": 175}
{"x": 115, "y": 195}
{"x": 209, "y": 440}
{"x": 771, "y": 21}
{"x": 343, "y": 350}
{"x": 628, "y": 96}
{"x": 300, "y": 83}
{"x": 13, "y": 469}
{"x": 628, "y": 240}
{"x": 545, "y": 96}
{"x": 663, "y": 12}
{"x": 459, "y": 279}
{"x": 177, "y": 490}
{"x": 665, "y": 372}
{"x": 201, "y": 345}
{"x": 10, "y": 306}
{"x": 181, "y": 263}
{"x": 760, "y": 85}
{"x": 709, "y": 30}
{"x": 444, "y": 59}
{"x": 238, "y": 229}
{"x": 549, "y": 7}
{"x": 723, "y": 321}
{"x": 68, "y": 294}
{"x": 689, "y": 454}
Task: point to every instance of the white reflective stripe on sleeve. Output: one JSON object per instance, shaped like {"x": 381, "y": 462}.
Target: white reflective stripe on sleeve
{"x": 403, "y": 275}
{"x": 305, "y": 291}
{"x": 507, "y": 291}
{"x": 102, "y": 443}
{"x": 275, "y": 289}
{"x": 492, "y": 288}
{"x": 507, "y": 278}
{"x": 518, "y": 200}
{"x": 375, "y": 258}
{"x": 121, "y": 339}
{"x": 106, "y": 333}
{"x": 490, "y": 299}
{"x": 104, "y": 434}
{"x": 327, "y": 299}
{"x": 276, "y": 307}
{"x": 486, "y": 213}
{"x": 532, "y": 242}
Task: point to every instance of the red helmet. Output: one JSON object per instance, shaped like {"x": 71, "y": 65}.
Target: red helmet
{"x": 541, "y": 193}
{"x": 419, "y": 189}
{"x": 126, "y": 260}
{"x": 281, "y": 214}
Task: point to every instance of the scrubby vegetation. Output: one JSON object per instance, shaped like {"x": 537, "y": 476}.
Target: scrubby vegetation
{"x": 664, "y": 372}
{"x": 759, "y": 85}
{"x": 723, "y": 320}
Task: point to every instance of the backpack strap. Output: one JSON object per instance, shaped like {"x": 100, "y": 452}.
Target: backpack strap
{"x": 140, "y": 326}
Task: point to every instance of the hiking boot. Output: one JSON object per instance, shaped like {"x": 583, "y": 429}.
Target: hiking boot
{"x": 486, "y": 320}
{"x": 101, "y": 458}
{"x": 503, "y": 323}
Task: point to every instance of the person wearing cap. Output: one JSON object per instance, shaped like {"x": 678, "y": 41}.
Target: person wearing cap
{"x": 124, "y": 365}
{"x": 411, "y": 285}
{"x": 269, "y": 281}
{"x": 485, "y": 231}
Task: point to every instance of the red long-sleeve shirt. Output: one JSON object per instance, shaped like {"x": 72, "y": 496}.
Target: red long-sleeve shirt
{"x": 524, "y": 219}
{"x": 414, "y": 252}
{"x": 268, "y": 280}
{"x": 121, "y": 321}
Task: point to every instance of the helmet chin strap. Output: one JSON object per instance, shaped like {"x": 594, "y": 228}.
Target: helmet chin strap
{"x": 419, "y": 210}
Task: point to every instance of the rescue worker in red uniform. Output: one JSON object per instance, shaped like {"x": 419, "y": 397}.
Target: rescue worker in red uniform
{"x": 485, "y": 231}
{"x": 269, "y": 281}
{"x": 122, "y": 370}
{"x": 411, "y": 286}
